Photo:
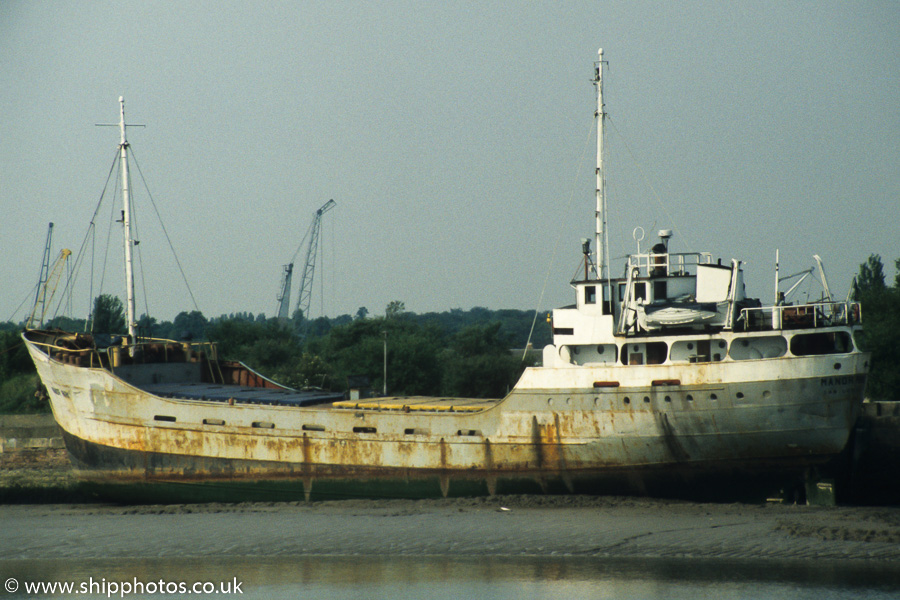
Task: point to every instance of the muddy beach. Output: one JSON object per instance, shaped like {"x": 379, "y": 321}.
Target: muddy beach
{"x": 501, "y": 526}
{"x": 558, "y": 526}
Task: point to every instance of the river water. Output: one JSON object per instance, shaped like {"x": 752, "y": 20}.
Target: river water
{"x": 401, "y": 578}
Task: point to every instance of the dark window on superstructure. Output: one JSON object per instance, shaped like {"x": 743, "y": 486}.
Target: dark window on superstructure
{"x": 703, "y": 348}
{"x": 640, "y": 290}
{"x": 656, "y": 353}
{"x": 651, "y": 353}
{"x": 659, "y": 290}
{"x": 807, "y": 344}
{"x": 590, "y": 294}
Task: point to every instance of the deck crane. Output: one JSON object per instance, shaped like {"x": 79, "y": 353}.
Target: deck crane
{"x": 309, "y": 267}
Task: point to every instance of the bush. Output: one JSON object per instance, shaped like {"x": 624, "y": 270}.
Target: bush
{"x": 18, "y": 395}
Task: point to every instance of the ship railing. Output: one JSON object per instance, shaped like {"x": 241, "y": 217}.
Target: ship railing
{"x": 799, "y": 316}
{"x": 147, "y": 350}
{"x": 158, "y": 350}
{"x": 68, "y": 348}
{"x": 81, "y": 357}
{"x": 676, "y": 263}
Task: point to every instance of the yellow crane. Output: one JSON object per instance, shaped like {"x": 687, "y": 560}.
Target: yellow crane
{"x": 48, "y": 289}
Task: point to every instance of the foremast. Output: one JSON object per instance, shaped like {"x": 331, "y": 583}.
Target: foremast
{"x": 126, "y": 224}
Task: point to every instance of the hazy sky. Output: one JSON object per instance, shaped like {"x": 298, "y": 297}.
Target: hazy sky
{"x": 456, "y": 139}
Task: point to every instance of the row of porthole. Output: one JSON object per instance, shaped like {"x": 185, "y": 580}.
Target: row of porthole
{"x": 359, "y": 429}
{"x": 688, "y": 397}
{"x": 221, "y": 423}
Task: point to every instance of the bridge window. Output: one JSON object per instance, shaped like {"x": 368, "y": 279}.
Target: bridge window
{"x": 701, "y": 350}
{"x": 650, "y": 353}
{"x": 811, "y": 344}
{"x": 640, "y": 290}
{"x": 749, "y": 348}
{"x": 660, "y": 290}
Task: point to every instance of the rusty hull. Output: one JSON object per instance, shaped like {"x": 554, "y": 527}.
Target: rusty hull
{"x": 628, "y": 439}
{"x": 556, "y": 431}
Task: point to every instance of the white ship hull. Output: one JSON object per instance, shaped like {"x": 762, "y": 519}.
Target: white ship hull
{"x": 567, "y": 427}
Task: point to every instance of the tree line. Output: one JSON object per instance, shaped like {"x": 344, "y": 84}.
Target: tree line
{"x": 881, "y": 327}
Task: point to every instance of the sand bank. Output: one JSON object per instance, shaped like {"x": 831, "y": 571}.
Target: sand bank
{"x": 501, "y": 526}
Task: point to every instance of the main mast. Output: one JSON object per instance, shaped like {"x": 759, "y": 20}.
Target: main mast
{"x": 126, "y": 223}
{"x": 600, "y": 214}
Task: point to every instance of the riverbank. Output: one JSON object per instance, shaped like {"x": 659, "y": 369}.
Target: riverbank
{"x": 38, "y": 475}
{"x": 514, "y": 526}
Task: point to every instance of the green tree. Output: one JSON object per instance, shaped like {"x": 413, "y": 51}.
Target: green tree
{"x": 394, "y": 309}
{"x": 14, "y": 359}
{"x": 306, "y": 371}
{"x": 881, "y": 328}
{"x": 147, "y": 326}
{"x": 190, "y": 325}
{"x": 870, "y": 277}
{"x": 67, "y": 324}
{"x": 18, "y": 379}
{"x": 358, "y": 349}
{"x": 478, "y": 363}
{"x": 109, "y": 315}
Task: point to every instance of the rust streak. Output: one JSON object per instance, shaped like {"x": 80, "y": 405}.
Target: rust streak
{"x": 674, "y": 446}
{"x": 490, "y": 478}
{"x": 537, "y": 443}
{"x": 444, "y": 477}
{"x": 561, "y": 456}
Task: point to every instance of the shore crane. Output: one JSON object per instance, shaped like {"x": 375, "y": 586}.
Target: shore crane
{"x": 309, "y": 268}
{"x": 47, "y": 289}
{"x": 45, "y": 269}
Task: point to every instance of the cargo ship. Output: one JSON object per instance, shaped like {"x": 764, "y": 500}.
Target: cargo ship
{"x": 668, "y": 377}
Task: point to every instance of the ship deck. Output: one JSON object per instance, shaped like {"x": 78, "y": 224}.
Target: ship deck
{"x": 420, "y": 404}
{"x": 213, "y": 392}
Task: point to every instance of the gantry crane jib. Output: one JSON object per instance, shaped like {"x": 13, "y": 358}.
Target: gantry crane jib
{"x": 325, "y": 208}
{"x": 284, "y": 296}
{"x": 309, "y": 267}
